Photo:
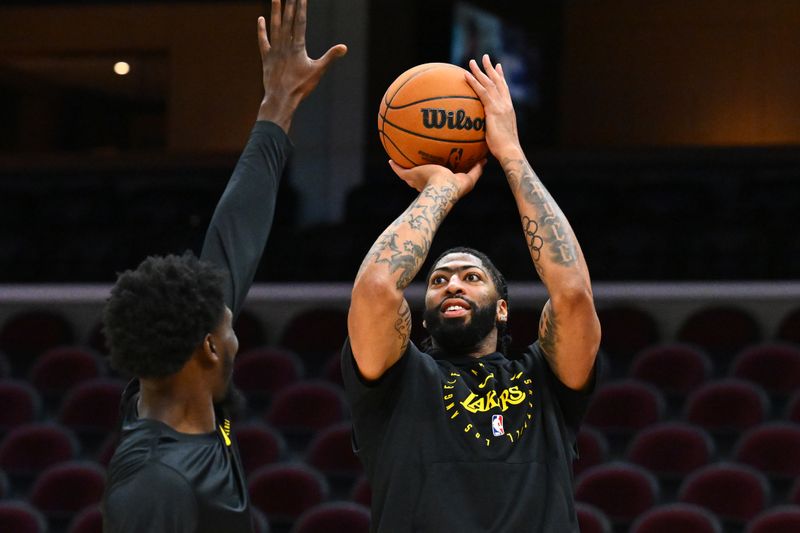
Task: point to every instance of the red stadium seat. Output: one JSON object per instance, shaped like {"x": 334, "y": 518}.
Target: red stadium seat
{"x": 250, "y": 330}
{"x": 677, "y": 518}
{"x": 671, "y": 450}
{"x": 91, "y": 409}
{"x": 21, "y": 404}
{"x": 621, "y": 490}
{"x": 65, "y": 489}
{"x": 772, "y": 448}
{"x": 316, "y": 333}
{"x": 736, "y": 493}
{"x": 776, "y": 367}
{"x": 361, "y": 491}
{"x": 727, "y": 407}
{"x": 61, "y": 368}
{"x": 334, "y": 517}
{"x": 27, "y": 334}
{"x": 721, "y": 330}
{"x": 20, "y": 517}
{"x": 260, "y": 372}
{"x": 675, "y": 368}
{"x": 29, "y": 449}
{"x": 331, "y": 451}
{"x": 259, "y": 445}
{"x": 305, "y": 407}
{"x": 627, "y": 330}
{"x": 89, "y": 520}
{"x": 592, "y": 449}
{"x": 794, "y": 493}
{"x": 591, "y": 519}
{"x": 625, "y": 406}
{"x": 779, "y": 519}
{"x": 284, "y": 491}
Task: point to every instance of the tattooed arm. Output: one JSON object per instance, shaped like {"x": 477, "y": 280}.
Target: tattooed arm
{"x": 569, "y": 330}
{"x": 379, "y": 321}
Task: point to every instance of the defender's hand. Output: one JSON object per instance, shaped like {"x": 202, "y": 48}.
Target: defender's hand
{"x": 289, "y": 75}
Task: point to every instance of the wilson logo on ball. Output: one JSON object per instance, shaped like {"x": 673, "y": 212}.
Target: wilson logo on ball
{"x": 433, "y": 118}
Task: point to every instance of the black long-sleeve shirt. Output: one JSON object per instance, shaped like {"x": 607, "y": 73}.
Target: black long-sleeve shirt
{"x": 164, "y": 481}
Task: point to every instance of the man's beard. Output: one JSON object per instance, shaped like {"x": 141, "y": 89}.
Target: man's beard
{"x": 457, "y": 336}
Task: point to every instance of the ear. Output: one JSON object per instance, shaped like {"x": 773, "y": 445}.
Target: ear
{"x": 209, "y": 348}
{"x": 502, "y": 311}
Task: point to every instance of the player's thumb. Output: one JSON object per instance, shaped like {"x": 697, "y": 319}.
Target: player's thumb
{"x": 333, "y": 53}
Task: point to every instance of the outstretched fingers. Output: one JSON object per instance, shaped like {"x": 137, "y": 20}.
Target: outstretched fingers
{"x": 275, "y": 21}
{"x": 287, "y": 25}
{"x": 299, "y": 28}
{"x": 263, "y": 40}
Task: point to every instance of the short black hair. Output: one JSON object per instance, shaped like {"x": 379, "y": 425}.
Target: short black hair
{"x": 159, "y": 313}
{"x": 500, "y": 285}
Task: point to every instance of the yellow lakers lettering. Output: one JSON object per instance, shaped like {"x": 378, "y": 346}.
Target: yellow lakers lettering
{"x": 480, "y": 404}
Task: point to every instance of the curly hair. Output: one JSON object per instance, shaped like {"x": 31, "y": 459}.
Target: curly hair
{"x": 503, "y": 337}
{"x": 159, "y": 313}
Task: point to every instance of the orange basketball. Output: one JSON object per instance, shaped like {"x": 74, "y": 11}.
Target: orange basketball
{"x": 430, "y": 114}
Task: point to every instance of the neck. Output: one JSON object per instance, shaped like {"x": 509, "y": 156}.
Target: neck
{"x": 184, "y": 406}
{"x": 487, "y": 346}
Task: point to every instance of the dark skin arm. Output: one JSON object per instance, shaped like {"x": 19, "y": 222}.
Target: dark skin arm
{"x": 569, "y": 330}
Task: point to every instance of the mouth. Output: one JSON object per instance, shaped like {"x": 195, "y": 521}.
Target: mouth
{"x": 454, "y": 308}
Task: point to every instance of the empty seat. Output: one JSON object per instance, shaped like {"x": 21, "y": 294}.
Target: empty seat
{"x": 621, "y": 490}
{"x": 259, "y": 445}
{"x": 261, "y": 372}
{"x": 671, "y": 449}
{"x": 91, "y": 409}
{"x": 734, "y": 492}
{"x": 721, "y": 330}
{"x": 675, "y": 368}
{"x": 727, "y": 405}
{"x": 305, "y": 407}
{"x": 21, "y": 404}
{"x": 284, "y": 491}
{"x": 334, "y": 517}
{"x": 315, "y": 333}
{"x": 592, "y": 449}
{"x": 625, "y": 406}
{"x": 331, "y": 452}
{"x": 779, "y": 519}
{"x": 677, "y": 518}
{"x": 627, "y": 330}
{"x": 773, "y": 448}
{"x": 27, "y": 334}
{"x": 29, "y": 449}
{"x": 250, "y": 330}
{"x": 776, "y": 367}
{"x": 361, "y": 491}
{"x": 59, "y": 369}
{"x": 65, "y": 489}
{"x": 789, "y": 327}
{"x": 591, "y": 519}
{"x": 89, "y": 520}
{"x": 21, "y": 517}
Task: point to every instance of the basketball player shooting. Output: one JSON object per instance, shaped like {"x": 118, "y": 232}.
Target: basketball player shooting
{"x": 457, "y": 436}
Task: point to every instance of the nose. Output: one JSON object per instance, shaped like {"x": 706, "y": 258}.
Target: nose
{"x": 454, "y": 285}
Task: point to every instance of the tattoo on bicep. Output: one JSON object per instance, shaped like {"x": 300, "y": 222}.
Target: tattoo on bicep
{"x": 403, "y": 325}
{"x": 548, "y": 330}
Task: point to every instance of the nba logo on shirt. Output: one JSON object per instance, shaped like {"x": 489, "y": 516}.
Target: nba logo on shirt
{"x": 497, "y": 425}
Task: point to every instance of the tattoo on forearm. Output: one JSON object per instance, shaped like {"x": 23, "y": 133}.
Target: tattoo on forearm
{"x": 403, "y": 325}
{"x": 548, "y": 330}
{"x": 422, "y": 218}
{"x": 549, "y": 230}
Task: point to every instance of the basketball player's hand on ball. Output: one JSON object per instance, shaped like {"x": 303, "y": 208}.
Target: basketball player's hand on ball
{"x": 421, "y": 176}
{"x": 289, "y": 75}
{"x": 501, "y": 121}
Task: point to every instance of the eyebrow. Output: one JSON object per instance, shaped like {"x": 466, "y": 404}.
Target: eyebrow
{"x": 456, "y": 269}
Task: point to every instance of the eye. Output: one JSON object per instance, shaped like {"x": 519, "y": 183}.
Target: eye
{"x": 472, "y": 276}
{"x": 438, "y": 279}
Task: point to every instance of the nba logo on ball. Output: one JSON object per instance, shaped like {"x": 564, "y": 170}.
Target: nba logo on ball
{"x": 497, "y": 425}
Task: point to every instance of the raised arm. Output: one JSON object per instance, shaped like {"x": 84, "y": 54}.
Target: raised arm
{"x": 379, "y": 321}
{"x": 243, "y": 217}
{"x": 569, "y": 330}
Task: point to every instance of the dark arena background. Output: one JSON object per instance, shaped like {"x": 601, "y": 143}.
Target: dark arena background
{"x": 668, "y": 132}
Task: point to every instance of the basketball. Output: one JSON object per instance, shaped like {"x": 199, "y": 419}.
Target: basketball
{"x": 430, "y": 114}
